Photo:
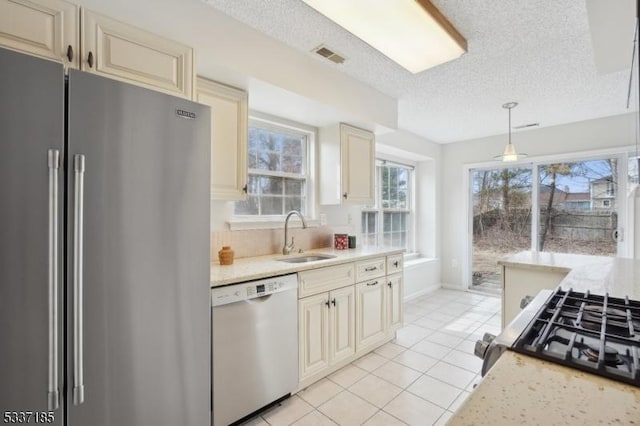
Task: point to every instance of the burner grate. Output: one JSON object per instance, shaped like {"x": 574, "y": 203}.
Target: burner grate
{"x": 593, "y": 333}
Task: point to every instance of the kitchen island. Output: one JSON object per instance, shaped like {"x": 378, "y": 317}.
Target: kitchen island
{"x": 520, "y": 389}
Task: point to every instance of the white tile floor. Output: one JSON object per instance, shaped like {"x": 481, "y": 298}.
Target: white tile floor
{"x": 420, "y": 378}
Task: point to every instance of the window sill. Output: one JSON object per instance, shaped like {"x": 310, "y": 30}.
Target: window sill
{"x": 238, "y": 224}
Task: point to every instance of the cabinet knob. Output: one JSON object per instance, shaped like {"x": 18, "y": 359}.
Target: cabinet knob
{"x": 90, "y": 59}
{"x": 70, "y": 53}
{"x": 389, "y": 284}
{"x": 344, "y": 195}
{"x": 244, "y": 188}
{"x": 333, "y": 302}
{"x": 396, "y": 263}
{"x": 327, "y": 303}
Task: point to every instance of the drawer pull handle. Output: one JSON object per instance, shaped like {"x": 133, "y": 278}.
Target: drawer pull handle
{"x": 396, "y": 263}
{"x": 372, "y": 283}
{"x": 370, "y": 268}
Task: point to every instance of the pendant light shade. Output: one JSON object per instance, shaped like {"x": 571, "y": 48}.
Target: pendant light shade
{"x": 510, "y": 153}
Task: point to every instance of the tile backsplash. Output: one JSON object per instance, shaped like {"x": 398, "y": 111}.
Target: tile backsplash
{"x": 259, "y": 242}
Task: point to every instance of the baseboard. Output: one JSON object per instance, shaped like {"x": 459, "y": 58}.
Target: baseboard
{"x": 416, "y": 294}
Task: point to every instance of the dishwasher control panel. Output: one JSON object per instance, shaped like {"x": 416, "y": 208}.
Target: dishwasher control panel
{"x": 252, "y": 289}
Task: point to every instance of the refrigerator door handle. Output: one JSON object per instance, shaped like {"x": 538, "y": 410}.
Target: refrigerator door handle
{"x": 53, "y": 395}
{"x": 78, "y": 195}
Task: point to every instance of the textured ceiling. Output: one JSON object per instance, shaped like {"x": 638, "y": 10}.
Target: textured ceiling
{"x": 535, "y": 52}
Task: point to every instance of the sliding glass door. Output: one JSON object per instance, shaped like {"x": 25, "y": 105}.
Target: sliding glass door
{"x": 501, "y": 200}
{"x": 576, "y": 206}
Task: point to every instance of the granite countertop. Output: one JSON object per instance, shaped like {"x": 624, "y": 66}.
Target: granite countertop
{"x": 619, "y": 277}
{"x": 521, "y": 390}
{"x": 251, "y": 268}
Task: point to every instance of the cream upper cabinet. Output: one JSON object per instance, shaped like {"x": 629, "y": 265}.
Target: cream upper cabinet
{"x": 123, "y": 52}
{"x": 229, "y": 124}
{"x": 347, "y": 165}
{"x": 45, "y": 28}
{"x": 395, "y": 312}
{"x": 371, "y": 313}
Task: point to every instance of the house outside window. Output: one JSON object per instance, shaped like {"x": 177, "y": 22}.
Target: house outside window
{"x": 278, "y": 170}
{"x": 388, "y": 222}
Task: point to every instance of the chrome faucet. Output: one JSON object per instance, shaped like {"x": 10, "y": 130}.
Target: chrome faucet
{"x": 286, "y": 249}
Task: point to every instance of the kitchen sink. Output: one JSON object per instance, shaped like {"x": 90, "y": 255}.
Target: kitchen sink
{"x": 307, "y": 258}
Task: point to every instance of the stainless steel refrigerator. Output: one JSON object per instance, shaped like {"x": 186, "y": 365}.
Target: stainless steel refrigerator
{"x": 104, "y": 250}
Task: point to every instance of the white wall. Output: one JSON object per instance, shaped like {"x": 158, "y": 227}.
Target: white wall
{"x": 600, "y": 134}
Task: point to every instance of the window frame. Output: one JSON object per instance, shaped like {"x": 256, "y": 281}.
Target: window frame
{"x": 379, "y": 210}
{"x": 291, "y": 128}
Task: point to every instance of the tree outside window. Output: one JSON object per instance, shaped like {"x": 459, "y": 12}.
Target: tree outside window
{"x": 277, "y": 163}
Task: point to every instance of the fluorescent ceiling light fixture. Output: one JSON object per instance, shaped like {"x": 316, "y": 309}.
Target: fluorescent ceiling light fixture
{"x": 412, "y": 33}
{"x": 510, "y": 153}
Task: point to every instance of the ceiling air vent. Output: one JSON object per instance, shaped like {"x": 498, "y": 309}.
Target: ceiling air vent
{"x": 325, "y": 52}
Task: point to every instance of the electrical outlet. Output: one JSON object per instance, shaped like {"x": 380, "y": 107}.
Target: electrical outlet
{"x": 349, "y": 219}
{"x": 323, "y": 219}
{"x": 454, "y": 263}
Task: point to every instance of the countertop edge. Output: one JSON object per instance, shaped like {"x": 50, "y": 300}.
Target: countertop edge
{"x": 267, "y": 266}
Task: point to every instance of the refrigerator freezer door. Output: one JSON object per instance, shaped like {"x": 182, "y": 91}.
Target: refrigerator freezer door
{"x": 139, "y": 326}
{"x": 31, "y": 149}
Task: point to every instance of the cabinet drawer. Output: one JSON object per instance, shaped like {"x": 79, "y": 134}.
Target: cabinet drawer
{"x": 325, "y": 279}
{"x": 395, "y": 263}
{"x": 372, "y": 268}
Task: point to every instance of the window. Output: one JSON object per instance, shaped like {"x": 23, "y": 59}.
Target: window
{"x": 277, "y": 168}
{"x": 388, "y": 222}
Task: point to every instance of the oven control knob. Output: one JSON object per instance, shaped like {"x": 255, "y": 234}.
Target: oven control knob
{"x": 525, "y": 301}
{"x": 481, "y": 347}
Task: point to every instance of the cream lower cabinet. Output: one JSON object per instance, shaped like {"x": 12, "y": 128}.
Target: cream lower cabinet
{"x": 341, "y": 319}
{"x": 326, "y": 324}
{"x": 46, "y": 28}
{"x": 371, "y": 312}
{"x": 518, "y": 283}
{"x": 395, "y": 297}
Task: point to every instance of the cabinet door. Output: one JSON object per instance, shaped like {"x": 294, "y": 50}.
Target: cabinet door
{"x": 518, "y": 283}
{"x": 313, "y": 336}
{"x": 122, "y": 52}
{"x": 45, "y": 28}
{"x": 342, "y": 341}
{"x": 358, "y": 165}
{"x": 394, "y": 302}
{"x": 370, "y": 312}
{"x": 229, "y": 123}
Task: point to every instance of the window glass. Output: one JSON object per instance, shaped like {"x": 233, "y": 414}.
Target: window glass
{"x": 393, "y": 203}
{"x": 577, "y": 207}
{"x": 277, "y": 161}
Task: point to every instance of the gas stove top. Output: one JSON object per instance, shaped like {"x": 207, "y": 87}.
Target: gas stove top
{"x": 597, "y": 334}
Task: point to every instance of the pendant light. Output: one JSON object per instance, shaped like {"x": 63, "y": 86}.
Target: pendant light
{"x": 510, "y": 153}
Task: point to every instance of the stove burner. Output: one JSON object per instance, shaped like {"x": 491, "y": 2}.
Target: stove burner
{"x": 611, "y": 356}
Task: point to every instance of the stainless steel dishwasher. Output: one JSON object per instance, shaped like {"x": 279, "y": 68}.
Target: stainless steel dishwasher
{"x": 254, "y": 342}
